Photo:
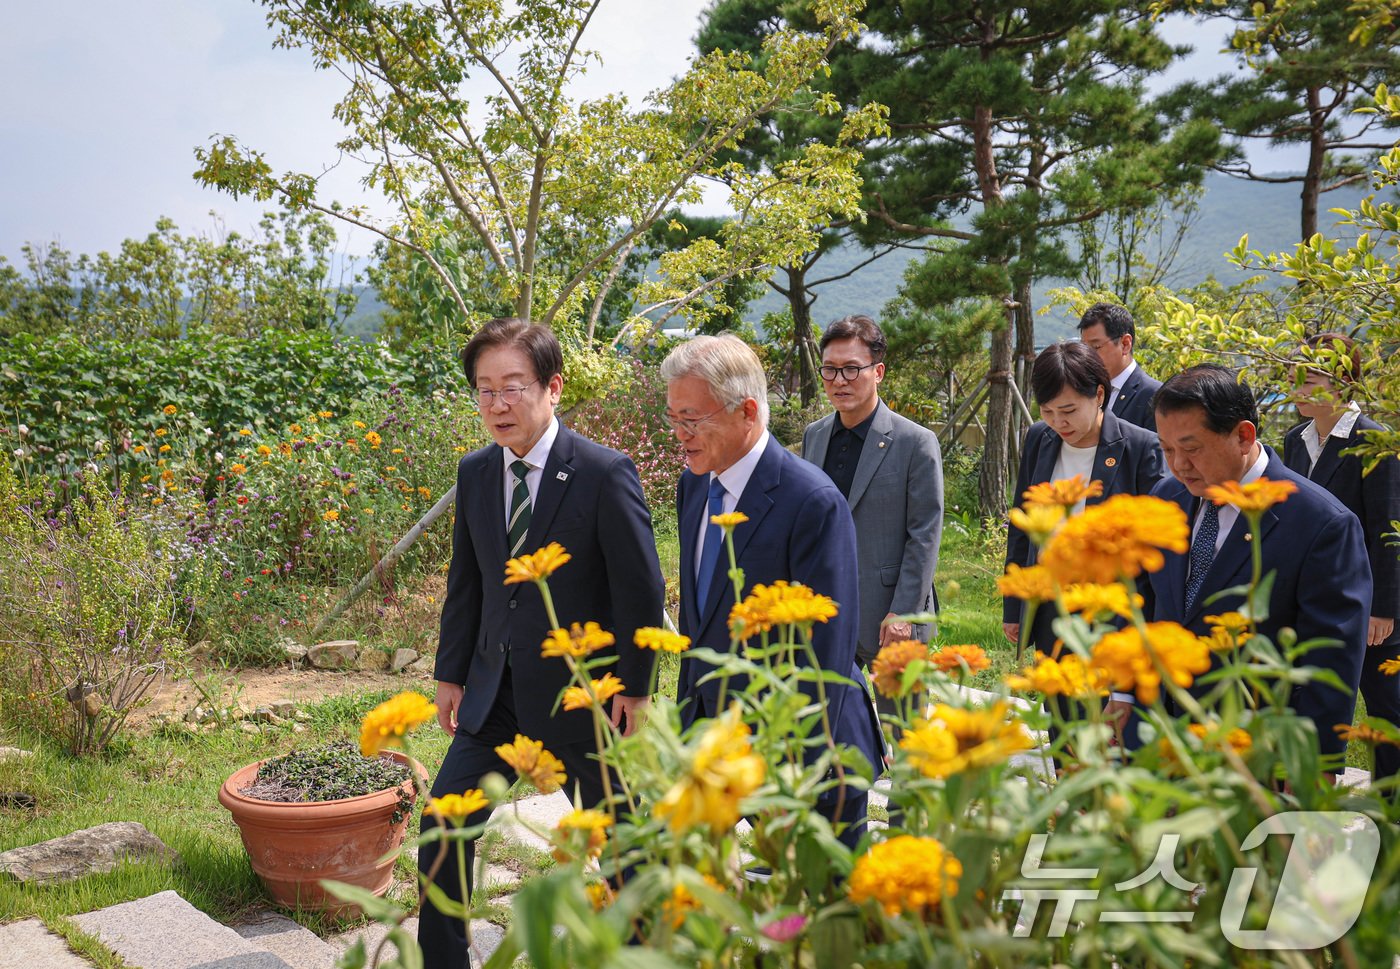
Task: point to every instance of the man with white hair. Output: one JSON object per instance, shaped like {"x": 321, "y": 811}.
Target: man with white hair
{"x": 799, "y": 528}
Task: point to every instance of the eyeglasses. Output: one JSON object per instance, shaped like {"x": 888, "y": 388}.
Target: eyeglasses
{"x": 509, "y": 395}
{"x": 690, "y": 427}
{"x": 850, "y": 371}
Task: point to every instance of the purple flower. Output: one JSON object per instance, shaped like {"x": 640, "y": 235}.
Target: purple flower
{"x": 785, "y": 929}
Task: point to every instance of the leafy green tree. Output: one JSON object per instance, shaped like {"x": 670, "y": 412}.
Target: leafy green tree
{"x": 54, "y": 292}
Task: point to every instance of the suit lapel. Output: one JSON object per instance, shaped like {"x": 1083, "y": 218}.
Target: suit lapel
{"x": 1130, "y": 388}
{"x": 1046, "y": 457}
{"x": 557, "y": 475}
{"x": 1233, "y": 564}
{"x": 1174, "y": 571}
{"x": 821, "y": 437}
{"x": 755, "y": 502}
{"x": 692, "y": 503}
{"x": 1330, "y": 459}
{"x": 490, "y": 506}
{"x": 872, "y": 453}
{"x": 1108, "y": 456}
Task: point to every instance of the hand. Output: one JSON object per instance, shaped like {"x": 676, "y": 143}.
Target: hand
{"x": 631, "y": 709}
{"x": 1116, "y": 714}
{"x": 1012, "y": 631}
{"x": 449, "y": 698}
{"x": 1379, "y": 630}
{"x": 893, "y": 632}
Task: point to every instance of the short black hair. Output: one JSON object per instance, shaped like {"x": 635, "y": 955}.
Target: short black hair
{"x": 538, "y": 343}
{"x": 1219, "y": 391}
{"x": 1072, "y": 365}
{"x": 1116, "y": 320}
{"x": 858, "y": 327}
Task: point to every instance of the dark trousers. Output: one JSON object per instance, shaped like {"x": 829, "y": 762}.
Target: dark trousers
{"x": 470, "y": 758}
{"x": 1382, "y": 696}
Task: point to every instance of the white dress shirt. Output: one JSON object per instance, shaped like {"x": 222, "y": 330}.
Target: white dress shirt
{"x": 734, "y": 478}
{"x": 1341, "y": 429}
{"x": 535, "y": 458}
{"x": 1116, "y": 384}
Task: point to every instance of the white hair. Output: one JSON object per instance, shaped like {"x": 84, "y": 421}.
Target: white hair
{"x": 727, "y": 365}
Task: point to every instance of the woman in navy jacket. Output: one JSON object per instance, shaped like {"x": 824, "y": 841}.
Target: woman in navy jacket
{"x": 1315, "y": 449}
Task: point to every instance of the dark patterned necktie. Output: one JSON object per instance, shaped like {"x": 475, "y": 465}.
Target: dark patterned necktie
{"x": 1202, "y": 552}
{"x": 519, "y": 509}
{"x": 709, "y": 553}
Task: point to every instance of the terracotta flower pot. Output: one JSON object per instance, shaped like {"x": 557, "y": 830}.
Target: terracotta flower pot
{"x": 292, "y": 846}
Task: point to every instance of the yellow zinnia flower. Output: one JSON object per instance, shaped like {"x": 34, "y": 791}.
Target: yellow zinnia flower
{"x": 530, "y": 759}
{"x": 1094, "y": 601}
{"x": 729, "y": 520}
{"x": 1038, "y": 521}
{"x": 537, "y": 565}
{"x": 1364, "y": 733}
{"x": 576, "y": 697}
{"x": 1228, "y": 631}
{"x": 1126, "y": 659}
{"x": 169, "y": 410}
{"x": 952, "y": 659}
{"x": 373, "y": 439}
{"x": 578, "y": 642}
{"x": 905, "y": 874}
{"x": 456, "y": 808}
{"x": 722, "y": 771}
{"x": 780, "y": 604}
{"x": 655, "y": 638}
{"x": 330, "y": 515}
{"x": 1065, "y": 493}
{"x": 953, "y": 740}
{"x": 1068, "y": 676}
{"x": 887, "y": 669}
{"x": 594, "y": 824}
{"x": 161, "y": 432}
{"x": 238, "y": 468}
{"x": 1117, "y": 539}
{"x": 1390, "y": 667}
{"x": 386, "y": 724}
{"x": 1252, "y": 498}
{"x": 1034, "y": 583}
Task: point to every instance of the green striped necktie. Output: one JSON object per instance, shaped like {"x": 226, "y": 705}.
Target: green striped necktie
{"x": 519, "y": 509}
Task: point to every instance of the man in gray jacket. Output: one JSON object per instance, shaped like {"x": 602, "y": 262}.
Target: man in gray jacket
{"x": 891, "y": 472}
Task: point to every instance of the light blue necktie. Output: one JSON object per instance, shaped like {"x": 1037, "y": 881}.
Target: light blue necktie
{"x": 1202, "y": 552}
{"x": 709, "y": 552}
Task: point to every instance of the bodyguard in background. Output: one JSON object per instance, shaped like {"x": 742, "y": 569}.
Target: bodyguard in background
{"x": 891, "y": 472}
{"x": 1315, "y": 449}
{"x": 1109, "y": 330}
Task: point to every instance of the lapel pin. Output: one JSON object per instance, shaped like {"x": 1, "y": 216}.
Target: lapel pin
{"x": 562, "y": 475}
{"x": 1249, "y": 536}
{"x": 882, "y": 444}
{"x": 1109, "y": 462}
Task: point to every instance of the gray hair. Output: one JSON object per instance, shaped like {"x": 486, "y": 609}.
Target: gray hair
{"x": 728, "y": 366}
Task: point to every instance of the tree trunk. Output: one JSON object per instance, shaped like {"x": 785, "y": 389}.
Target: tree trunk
{"x": 1317, "y": 154}
{"x": 804, "y": 346}
{"x": 993, "y": 473}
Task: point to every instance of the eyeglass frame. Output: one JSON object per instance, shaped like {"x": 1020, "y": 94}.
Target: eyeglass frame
{"x": 485, "y": 399}
{"x": 691, "y": 426}
{"x": 842, "y": 371}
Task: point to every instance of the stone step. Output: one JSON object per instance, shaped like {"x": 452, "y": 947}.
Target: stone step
{"x": 29, "y": 945}
{"x": 486, "y": 937}
{"x": 296, "y": 945}
{"x": 163, "y": 931}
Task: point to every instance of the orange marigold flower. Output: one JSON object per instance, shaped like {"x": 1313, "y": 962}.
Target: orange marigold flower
{"x": 905, "y": 874}
{"x": 530, "y": 759}
{"x": 657, "y": 639}
{"x": 138, "y": 449}
{"x": 1252, "y": 498}
{"x": 1120, "y": 538}
{"x": 1128, "y": 660}
{"x": 169, "y": 410}
{"x": 1069, "y": 675}
{"x": 887, "y": 669}
{"x": 577, "y": 698}
{"x": 537, "y": 565}
{"x": 373, "y": 439}
{"x": 238, "y": 468}
{"x": 164, "y": 448}
{"x": 952, "y": 659}
{"x": 1365, "y": 733}
{"x": 1038, "y": 521}
{"x": 578, "y": 642}
{"x": 161, "y": 432}
{"x": 954, "y": 740}
{"x": 1066, "y": 493}
{"x": 1033, "y": 583}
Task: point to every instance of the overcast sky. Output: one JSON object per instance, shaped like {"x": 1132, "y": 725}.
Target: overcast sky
{"x": 105, "y": 102}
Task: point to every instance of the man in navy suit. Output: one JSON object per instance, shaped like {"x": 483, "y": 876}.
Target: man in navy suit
{"x": 799, "y": 528}
{"x": 539, "y": 482}
{"x": 1208, "y": 422}
{"x": 1109, "y": 329}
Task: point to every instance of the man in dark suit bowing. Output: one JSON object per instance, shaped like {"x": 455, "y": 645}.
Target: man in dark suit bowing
{"x": 1110, "y": 330}
{"x": 538, "y": 483}
{"x": 1208, "y": 422}
{"x": 799, "y": 529}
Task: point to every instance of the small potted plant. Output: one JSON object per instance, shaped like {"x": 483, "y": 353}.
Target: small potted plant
{"x": 327, "y": 812}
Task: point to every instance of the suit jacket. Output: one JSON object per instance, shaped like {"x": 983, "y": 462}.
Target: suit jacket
{"x": 1128, "y": 460}
{"x": 1322, "y": 587}
{"x": 589, "y": 501}
{"x": 1134, "y": 401}
{"x": 1373, "y": 498}
{"x": 897, "y": 502}
{"x": 799, "y": 529}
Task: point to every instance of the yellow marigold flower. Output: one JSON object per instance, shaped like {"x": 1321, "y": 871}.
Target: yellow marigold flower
{"x": 887, "y": 669}
{"x": 264, "y": 450}
{"x": 373, "y": 439}
{"x": 327, "y": 414}
{"x": 397, "y": 450}
{"x": 285, "y": 448}
{"x": 1094, "y": 601}
{"x": 360, "y": 425}
{"x": 952, "y": 659}
{"x": 905, "y": 875}
{"x": 657, "y": 639}
{"x": 594, "y": 823}
{"x": 161, "y": 432}
{"x": 576, "y": 697}
{"x": 722, "y": 771}
{"x": 1034, "y": 584}
{"x": 238, "y": 468}
{"x": 1252, "y": 498}
{"x": 138, "y": 449}
{"x": 536, "y": 565}
{"x": 157, "y": 500}
{"x": 530, "y": 759}
{"x": 954, "y": 740}
{"x": 579, "y": 641}
{"x": 167, "y": 476}
{"x": 169, "y": 410}
{"x": 1390, "y": 667}
{"x": 456, "y": 808}
{"x": 1117, "y": 539}
{"x": 730, "y": 520}
{"x": 780, "y": 604}
{"x": 330, "y": 515}
{"x": 1065, "y": 493}
{"x": 295, "y": 428}
{"x": 1126, "y": 659}
{"x": 163, "y": 448}
{"x": 1068, "y": 675}
{"x": 1038, "y": 521}
{"x": 386, "y": 724}
{"x": 390, "y": 469}
{"x": 242, "y": 432}
{"x": 1365, "y": 734}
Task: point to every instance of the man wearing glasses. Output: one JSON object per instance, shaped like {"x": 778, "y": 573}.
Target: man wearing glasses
{"x": 799, "y": 529}
{"x": 539, "y": 482}
{"x": 1109, "y": 330}
{"x": 891, "y": 472}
